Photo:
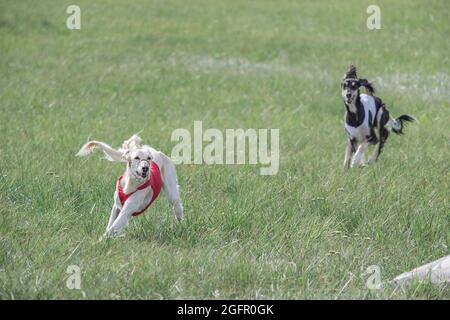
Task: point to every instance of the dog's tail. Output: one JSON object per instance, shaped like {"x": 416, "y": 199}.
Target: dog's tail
{"x": 398, "y": 124}
{"x": 111, "y": 154}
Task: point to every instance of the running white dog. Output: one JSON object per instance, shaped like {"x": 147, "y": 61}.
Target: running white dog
{"x": 147, "y": 171}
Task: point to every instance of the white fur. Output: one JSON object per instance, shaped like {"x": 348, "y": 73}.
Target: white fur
{"x": 395, "y": 124}
{"x": 359, "y": 133}
{"x": 363, "y": 130}
{"x": 132, "y": 179}
{"x": 359, "y": 157}
{"x": 110, "y": 153}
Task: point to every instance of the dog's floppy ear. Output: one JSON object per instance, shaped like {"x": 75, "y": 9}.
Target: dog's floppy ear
{"x": 125, "y": 155}
{"x": 135, "y": 142}
{"x": 111, "y": 154}
{"x": 368, "y": 85}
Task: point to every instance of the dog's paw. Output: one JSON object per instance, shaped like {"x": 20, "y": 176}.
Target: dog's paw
{"x": 359, "y": 164}
{"x": 179, "y": 215}
{"x": 111, "y": 234}
{"x": 363, "y": 165}
{"x": 105, "y": 236}
{"x": 178, "y": 211}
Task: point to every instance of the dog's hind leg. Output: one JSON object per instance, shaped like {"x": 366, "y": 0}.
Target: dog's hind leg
{"x": 376, "y": 153}
{"x": 384, "y": 136}
{"x": 170, "y": 186}
{"x": 382, "y": 133}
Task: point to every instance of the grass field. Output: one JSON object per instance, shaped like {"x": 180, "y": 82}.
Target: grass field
{"x": 310, "y": 231}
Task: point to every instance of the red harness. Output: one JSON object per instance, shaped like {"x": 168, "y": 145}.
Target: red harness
{"x": 154, "y": 181}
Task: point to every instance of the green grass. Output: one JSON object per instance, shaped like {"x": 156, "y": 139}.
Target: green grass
{"x": 310, "y": 231}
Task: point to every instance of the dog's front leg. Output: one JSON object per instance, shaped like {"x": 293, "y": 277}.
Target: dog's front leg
{"x": 178, "y": 210}
{"x": 119, "y": 223}
{"x": 133, "y": 204}
{"x": 348, "y": 153}
{"x": 114, "y": 213}
{"x": 359, "y": 155}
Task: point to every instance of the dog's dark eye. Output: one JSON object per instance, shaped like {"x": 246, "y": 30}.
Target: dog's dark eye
{"x": 149, "y": 158}
{"x": 137, "y": 158}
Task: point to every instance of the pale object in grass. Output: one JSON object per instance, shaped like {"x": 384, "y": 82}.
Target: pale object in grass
{"x": 438, "y": 271}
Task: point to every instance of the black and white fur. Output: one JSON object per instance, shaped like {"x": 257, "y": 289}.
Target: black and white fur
{"x": 366, "y": 118}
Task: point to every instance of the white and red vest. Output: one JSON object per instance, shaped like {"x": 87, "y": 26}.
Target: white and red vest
{"x": 153, "y": 181}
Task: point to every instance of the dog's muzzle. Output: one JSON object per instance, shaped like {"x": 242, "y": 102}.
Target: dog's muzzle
{"x": 348, "y": 98}
{"x": 145, "y": 172}
{"x": 145, "y": 168}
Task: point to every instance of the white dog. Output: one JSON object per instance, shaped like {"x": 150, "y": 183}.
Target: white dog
{"x": 147, "y": 171}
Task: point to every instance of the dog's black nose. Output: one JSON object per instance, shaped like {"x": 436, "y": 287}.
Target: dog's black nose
{"x": 145, "y": 169}
{"x": 348, "y": 95}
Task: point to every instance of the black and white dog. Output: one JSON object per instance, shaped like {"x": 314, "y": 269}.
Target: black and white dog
{"x": 366, "y": 118}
